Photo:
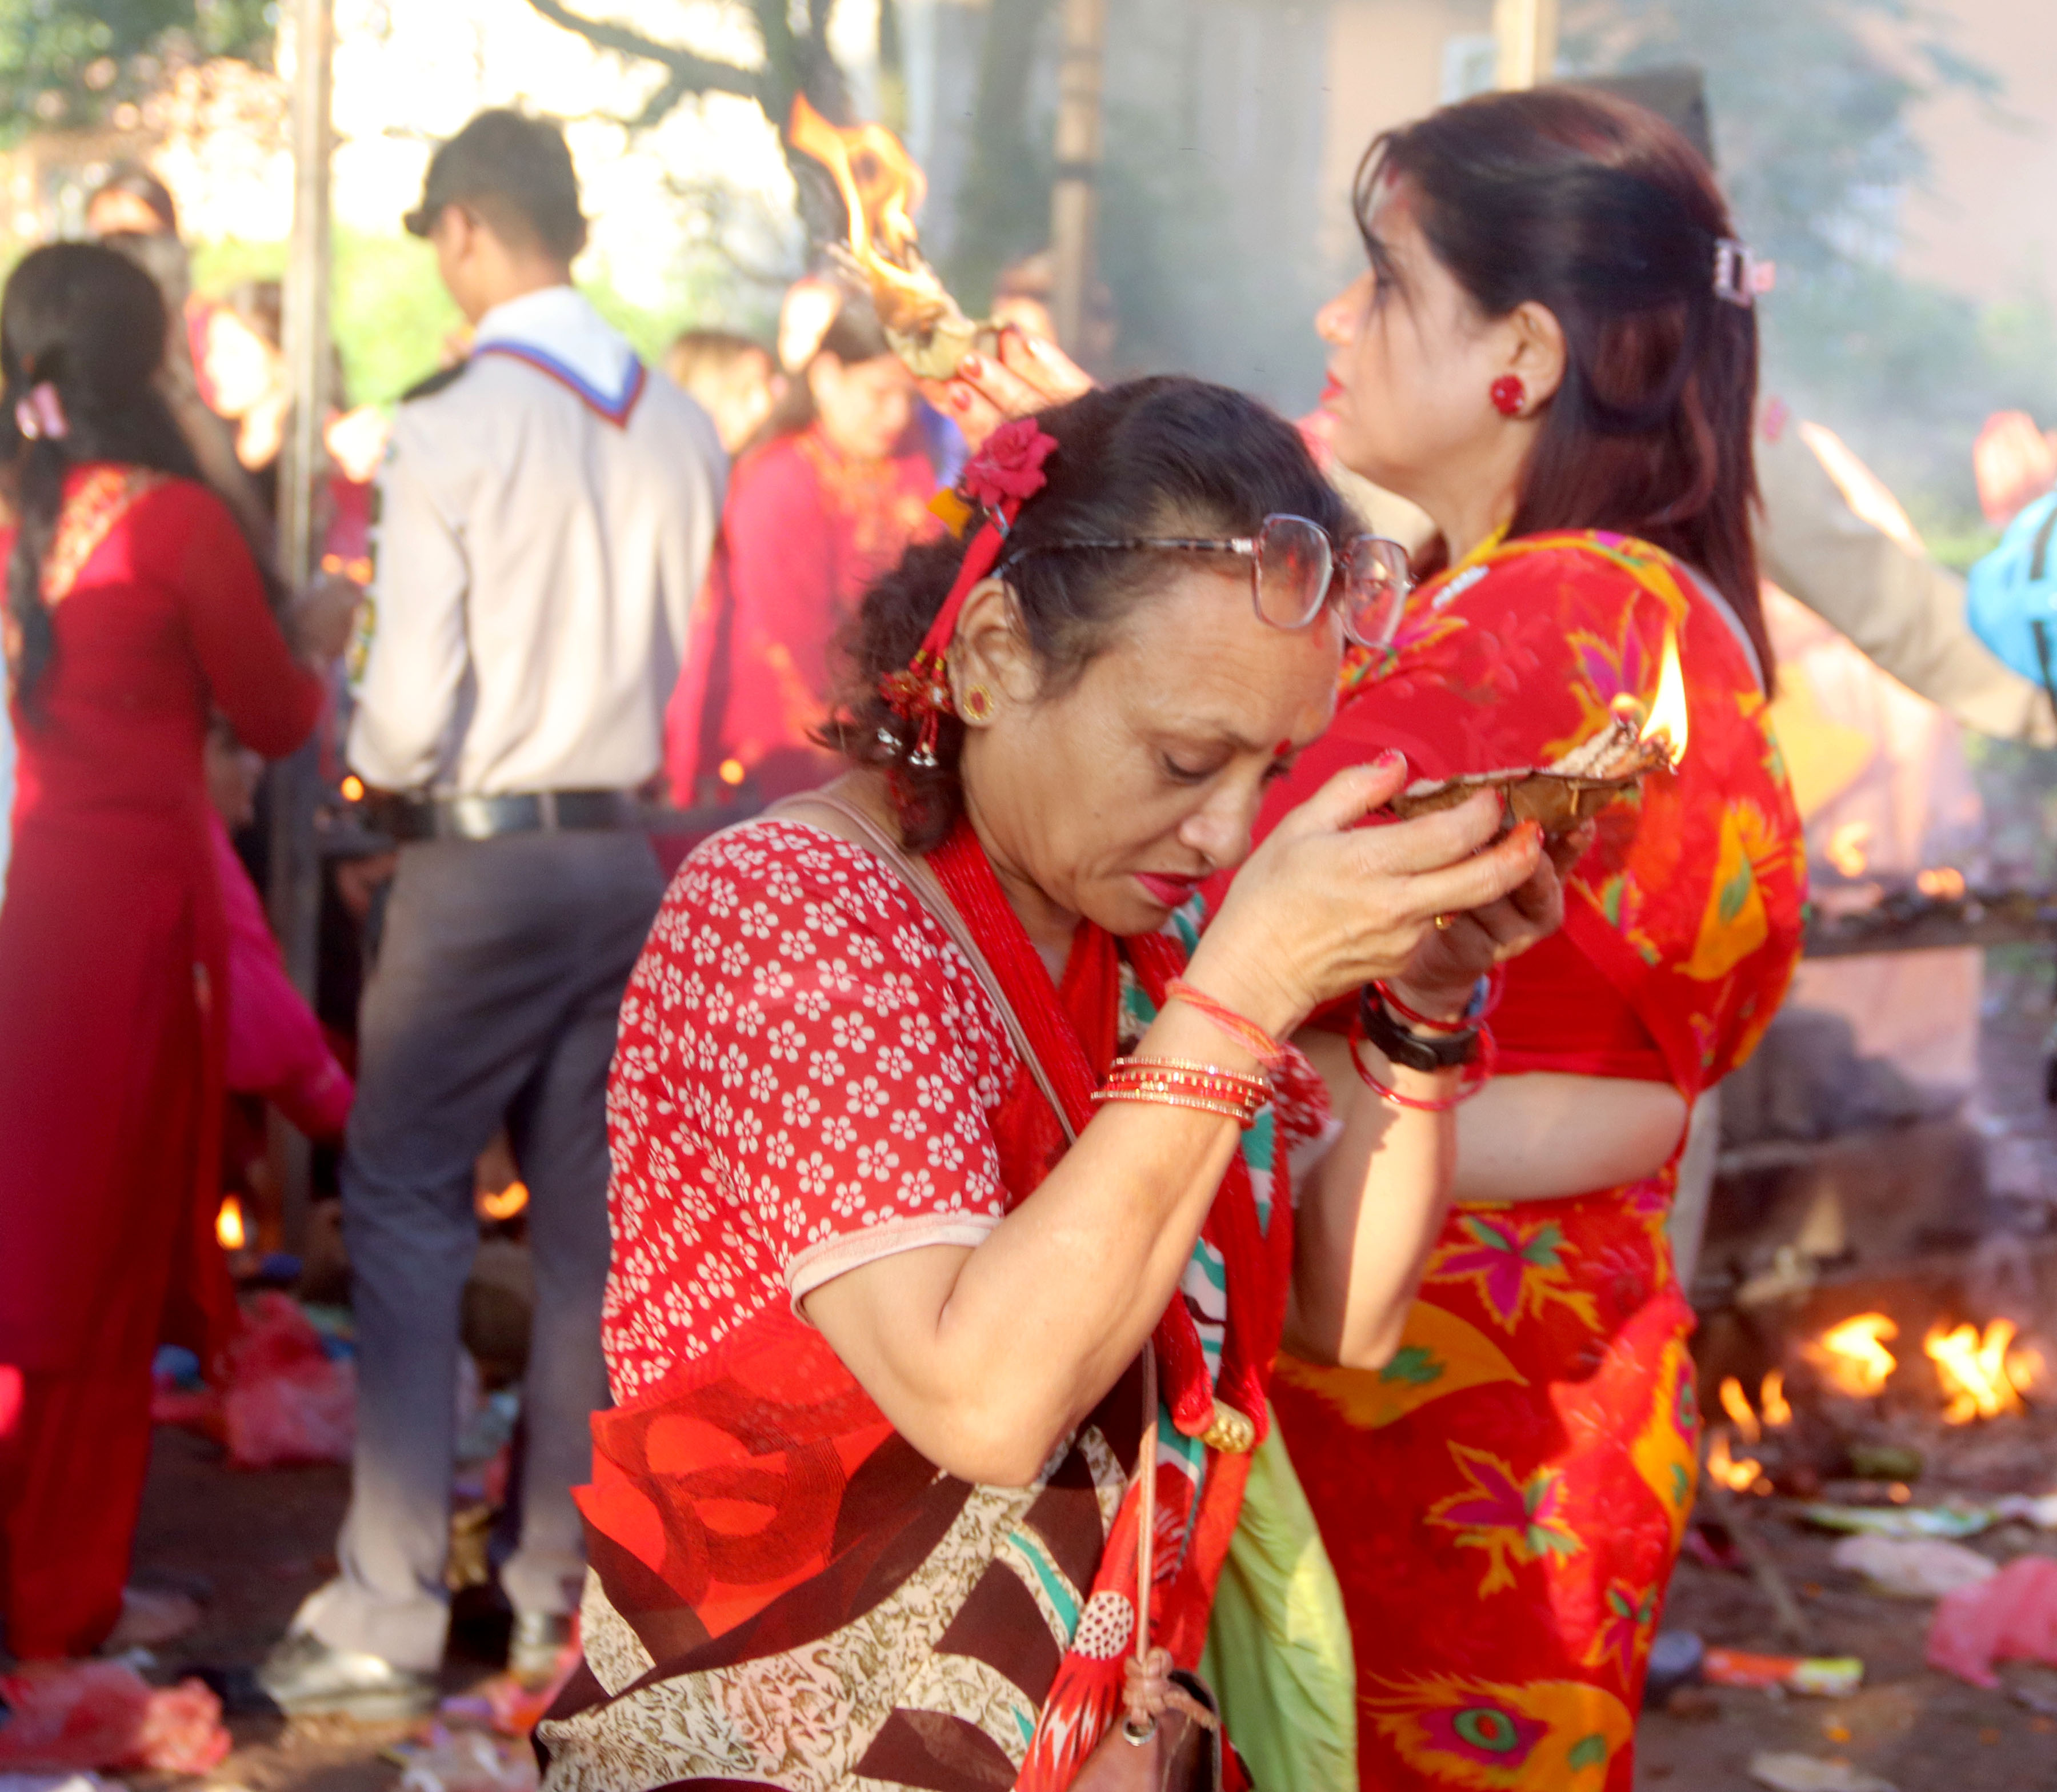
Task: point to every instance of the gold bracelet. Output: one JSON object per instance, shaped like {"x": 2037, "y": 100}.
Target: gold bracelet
{"x": 1241, "y": 1113}
{"x": 1259, "y": 1083}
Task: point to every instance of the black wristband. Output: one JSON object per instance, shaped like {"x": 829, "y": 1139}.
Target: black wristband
{"x": 1415, "y": 1051}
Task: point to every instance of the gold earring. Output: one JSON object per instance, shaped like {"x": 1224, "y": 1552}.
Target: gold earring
{"x": 976, "y": 705}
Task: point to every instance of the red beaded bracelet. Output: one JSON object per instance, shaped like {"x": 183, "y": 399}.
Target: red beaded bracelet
{"x": 1479, "y": 1073}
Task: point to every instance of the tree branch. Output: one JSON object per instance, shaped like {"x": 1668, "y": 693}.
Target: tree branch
{"x": 690, "y": 73}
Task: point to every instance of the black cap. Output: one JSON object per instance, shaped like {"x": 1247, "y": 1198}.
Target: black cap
{"x": 521, "y": 161}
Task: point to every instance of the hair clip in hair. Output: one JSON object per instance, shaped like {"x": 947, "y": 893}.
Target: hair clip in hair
{"x": 1739, "y": 276}
{"x": 39, "y": 416}
{"x": 1002, "y": 476}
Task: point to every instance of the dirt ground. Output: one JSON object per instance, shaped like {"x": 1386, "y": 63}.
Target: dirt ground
{"x": 255, "y": 1543}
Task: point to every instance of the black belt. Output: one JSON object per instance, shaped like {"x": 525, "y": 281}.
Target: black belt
{"x": 488, "y": 817}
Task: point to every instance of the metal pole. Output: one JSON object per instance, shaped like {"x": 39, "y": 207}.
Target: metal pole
{"x": 1527, "y": 33}
{"x": 1074, "y": 196}
{"x": 295, "y": 865}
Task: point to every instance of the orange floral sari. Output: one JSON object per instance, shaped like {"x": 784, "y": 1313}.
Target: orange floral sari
{"x": 1503, "y": 1502}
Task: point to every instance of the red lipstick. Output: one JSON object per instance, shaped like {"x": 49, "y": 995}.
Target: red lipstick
{"x": 1162, "y": 886}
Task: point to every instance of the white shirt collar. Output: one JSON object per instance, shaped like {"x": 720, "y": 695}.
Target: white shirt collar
{"x": 558, "y": 326}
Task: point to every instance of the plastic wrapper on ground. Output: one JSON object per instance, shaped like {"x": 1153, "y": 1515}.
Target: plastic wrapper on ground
{"x": 2010, "y": 1617}
{"x": 1912, "y": 1568}
{"x": 102, "y": 1714}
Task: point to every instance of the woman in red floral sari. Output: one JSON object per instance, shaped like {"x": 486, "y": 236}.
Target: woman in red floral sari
{"x": 952, "y": 1178}
{"x": 1554, "y": 354}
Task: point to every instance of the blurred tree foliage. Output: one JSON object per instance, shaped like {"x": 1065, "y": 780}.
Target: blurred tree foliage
{"x": 1003, "y": 208}
{"x": 1814, "y": 104}
{"x": 69, "y": 63}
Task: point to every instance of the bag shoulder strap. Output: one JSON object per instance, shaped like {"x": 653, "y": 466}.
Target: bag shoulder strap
{"x": 836, "y": 814}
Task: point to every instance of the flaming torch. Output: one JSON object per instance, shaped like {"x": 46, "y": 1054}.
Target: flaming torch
{"x": 881, "y": 190}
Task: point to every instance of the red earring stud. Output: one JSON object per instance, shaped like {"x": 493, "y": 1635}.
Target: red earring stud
{"x": 1509, "y": 394}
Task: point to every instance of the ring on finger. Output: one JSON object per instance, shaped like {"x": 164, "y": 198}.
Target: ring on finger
{"x": 1444, "y": 922}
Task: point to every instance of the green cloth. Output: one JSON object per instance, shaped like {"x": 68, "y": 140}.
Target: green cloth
{"x": 1278, "y": 1653}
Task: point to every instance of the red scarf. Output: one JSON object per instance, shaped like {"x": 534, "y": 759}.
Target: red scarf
{"x": 1073, "y": 1039}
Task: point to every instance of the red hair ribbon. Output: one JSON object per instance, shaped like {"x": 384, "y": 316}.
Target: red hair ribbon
{"x": 1001, "y": 477}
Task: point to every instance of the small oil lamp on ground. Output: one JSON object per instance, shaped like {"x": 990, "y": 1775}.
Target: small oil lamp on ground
{"x": 1577, "y": 787}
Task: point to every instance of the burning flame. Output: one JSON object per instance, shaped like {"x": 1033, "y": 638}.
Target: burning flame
{"x": 229, "y": 1231}
{"x": 1975, "y": 1371}
{"x": 1736, "y": 1404}
{"x": 504, "y": 1205}
{"x": 1852, "y": 1355}
{"x": 1771, "y": 1398}
{"x": 1738, "y": 1474}
{"x": 882, "y": 188}
{"x": 1667, "y": 722}
{"x": 1848, "y": 847}
{"x": 1944, "y": 882}
{"x": 1771, "y": 1404}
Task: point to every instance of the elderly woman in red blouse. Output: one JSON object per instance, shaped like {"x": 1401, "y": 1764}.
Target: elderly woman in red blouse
{"x": 954, "y": 1180}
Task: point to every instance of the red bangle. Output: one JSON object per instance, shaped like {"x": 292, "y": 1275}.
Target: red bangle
{"x": 1495, "y": 980}
{"x": 1480, "y": 1073}
{"x": 1247, "y": 1033}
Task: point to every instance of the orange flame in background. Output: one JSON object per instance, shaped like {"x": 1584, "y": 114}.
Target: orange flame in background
{"x": 1771, "y": 1412}
{"x": 1772, "y": 1401}
{"x": 1668, "y": 724}
{"x": 504, "y": 1205}
{"x": 1975, "y": 1371}
{"x": 229, "y": 1231}
{"x": 1849, "y": 849}
{"x": 1736, "y": 1404}
{"x": 1852, "y": 1355}
{"x": 1944, "y": 882}
{"x": 1738, "y": 1474}
{"x": 882, "y": 188}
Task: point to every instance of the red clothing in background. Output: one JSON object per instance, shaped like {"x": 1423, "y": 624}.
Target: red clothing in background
{"x": 276, "y": 1048}
{"x": 113, "y": 957}
{"x": 805, "y": 531}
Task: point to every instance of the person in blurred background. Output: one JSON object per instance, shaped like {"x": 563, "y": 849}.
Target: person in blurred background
{"x": 734, "y": 379}
{"x": 131, "y": 201}
{"x": 244, "y": 360}
{"x": 132, "y": 213}
{"x": 813, "y": 517}
{"x": 547, "y": 514}
{"x": 133, "y": 608}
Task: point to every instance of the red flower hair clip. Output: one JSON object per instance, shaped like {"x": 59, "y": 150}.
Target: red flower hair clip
{"x": 1001, "y": 477}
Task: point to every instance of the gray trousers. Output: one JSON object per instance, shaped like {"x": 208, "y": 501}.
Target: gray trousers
{"x": 494, "y": 999}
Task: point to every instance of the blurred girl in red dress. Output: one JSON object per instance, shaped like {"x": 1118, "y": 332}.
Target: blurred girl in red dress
{"x": 133, "y": 609}
{"x": 813, "y": 516}
{"x": 1553, "y": 354}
